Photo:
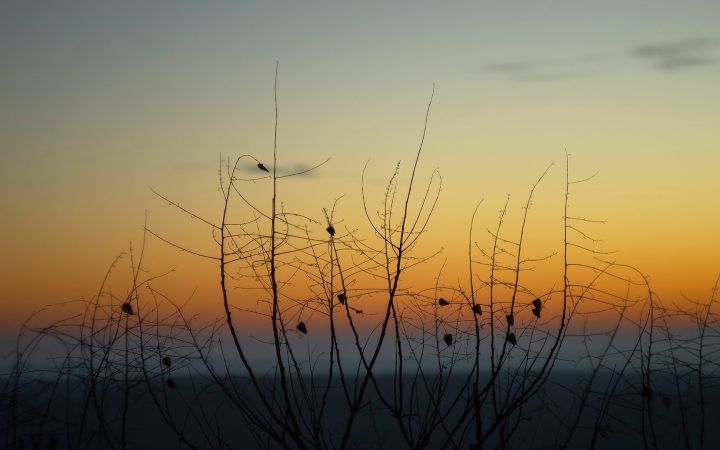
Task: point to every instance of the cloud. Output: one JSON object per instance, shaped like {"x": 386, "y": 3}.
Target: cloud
{"x": 284, "y": 169}
{"x": 247, "y": 170}
{"x": 665, "y": 56}
{"x": 549, "y": 70}
{"x": 683, "y": 54}
{"x": 185, "y": 167}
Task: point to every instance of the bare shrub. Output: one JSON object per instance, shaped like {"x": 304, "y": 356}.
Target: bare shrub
{"x": 359, "y": 357}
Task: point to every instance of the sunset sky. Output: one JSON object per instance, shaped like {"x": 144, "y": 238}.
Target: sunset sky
{"x": 99, "y": 101}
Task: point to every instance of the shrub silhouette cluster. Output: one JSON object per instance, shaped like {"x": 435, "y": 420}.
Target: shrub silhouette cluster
{"x": 489, "y": 364}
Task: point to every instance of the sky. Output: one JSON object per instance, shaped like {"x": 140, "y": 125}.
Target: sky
{"x": 100, "y": 101}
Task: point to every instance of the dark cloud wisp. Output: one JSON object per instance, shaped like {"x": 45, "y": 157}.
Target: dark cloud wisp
{"x": 665, "y": 56}
{"x": 681, "y": 54}
{"x": 188, "y": 166}
{"x": 282, "y": 170}
{"x": 548, "y": 70}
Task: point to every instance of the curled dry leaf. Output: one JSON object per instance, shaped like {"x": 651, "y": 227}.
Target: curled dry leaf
{"x": 128, "y": 309}
{"x": 647, "y": 393}
{"x": 302, "y": 328}
{"x": 606, "y": 431}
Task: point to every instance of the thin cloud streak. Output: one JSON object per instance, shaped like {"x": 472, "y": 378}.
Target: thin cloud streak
{"x": 683, "y": 54}
{"x": 549, "y": 70}
{"x": 665, "y": 56}
{"x": 190, "y": 167}
{"x": 285, "y": 169}
{"x": 249, "y": 168}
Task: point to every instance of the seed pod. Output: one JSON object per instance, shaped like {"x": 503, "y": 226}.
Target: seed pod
{"x": 477, "y": 309}
{"x": 448, "y": 339}
{"x": 330, "y": 230}
{"x": 443, "y": 302}
{"x": 537, "y": 303}
{"x": 128, "y": 309}
{"x": 536, "y": 312}
{"x": 510, "y": 319}
{"x": 647, "y": 393}
{"x": 302, "y": 328}
{"x": 341, "y": 298}
{"x": 166, "y": 361}
{"x": 667, "y": 402}
{"x": 170, "y": 383}
{"x": 261, "y": 167}
{"x": 512, "y": 339}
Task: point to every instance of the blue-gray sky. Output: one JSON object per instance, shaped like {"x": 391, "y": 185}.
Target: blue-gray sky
{"x": 99, "y": 100}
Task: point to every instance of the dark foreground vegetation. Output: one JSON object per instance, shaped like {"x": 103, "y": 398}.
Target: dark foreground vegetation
{"x": 359, "y": 357}
{"x": 540, "y": 424}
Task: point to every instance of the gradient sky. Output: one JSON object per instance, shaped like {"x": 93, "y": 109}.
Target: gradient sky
{"x": 101, "y": 100}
